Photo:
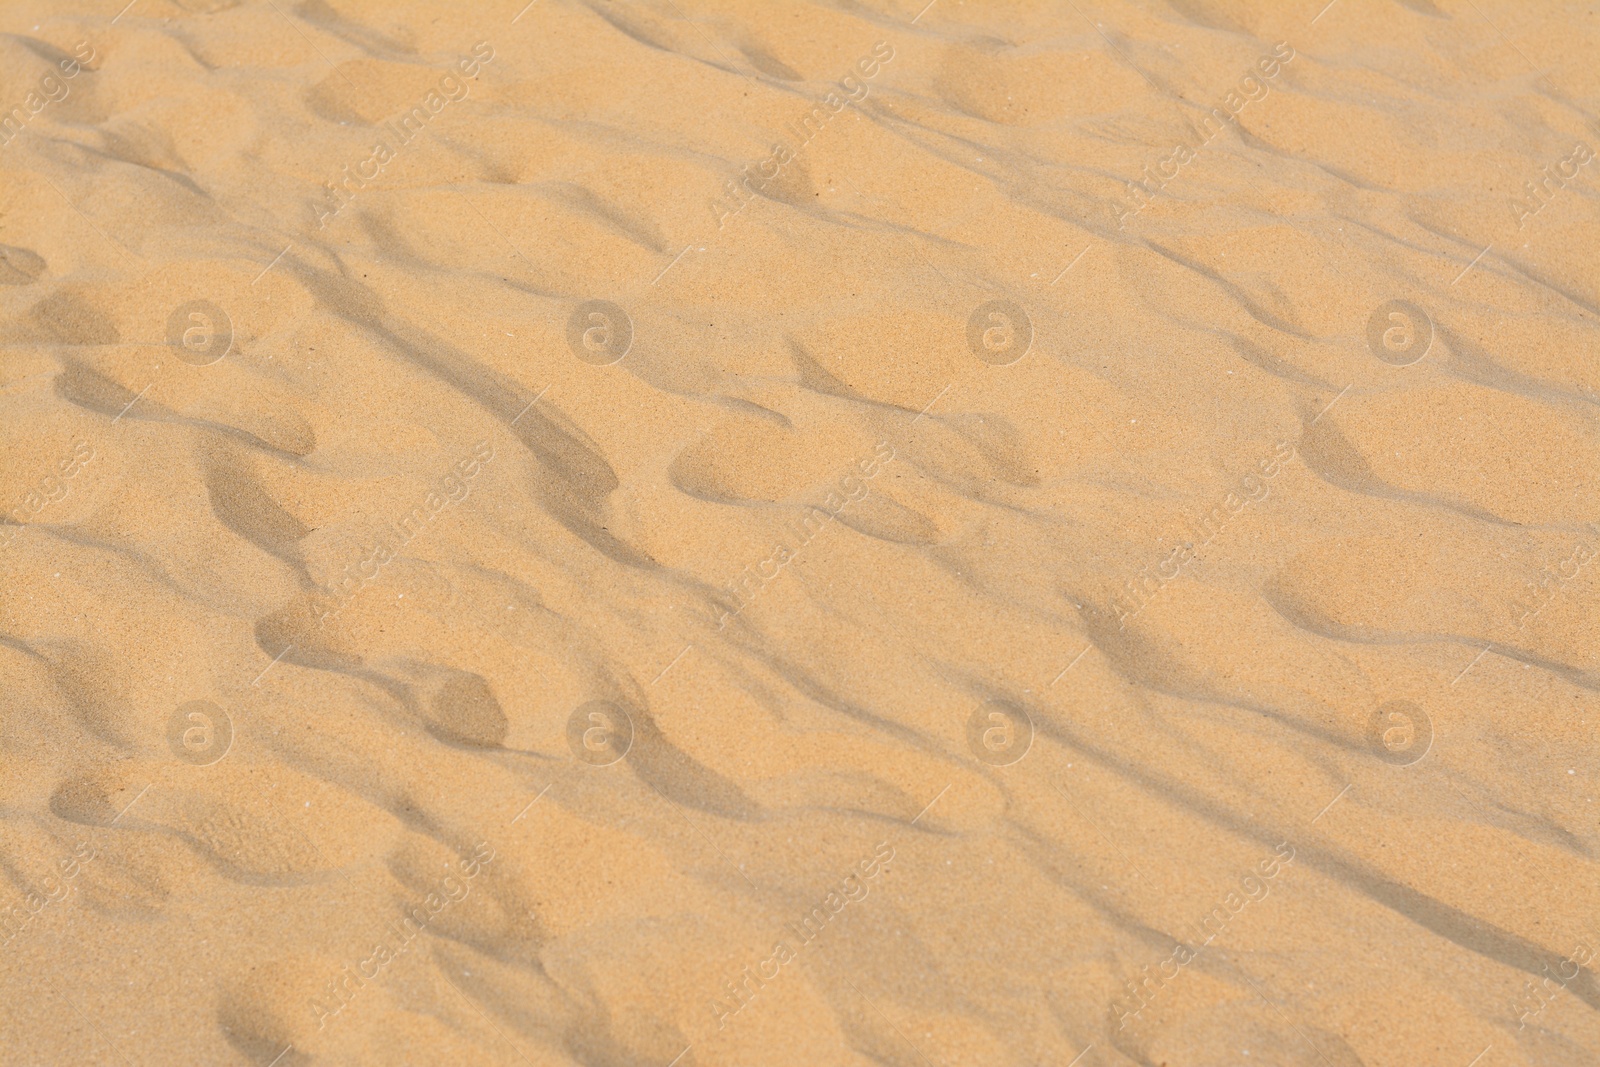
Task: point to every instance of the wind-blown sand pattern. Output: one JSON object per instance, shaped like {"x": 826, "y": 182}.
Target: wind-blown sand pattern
{"x": 692, "y": 532}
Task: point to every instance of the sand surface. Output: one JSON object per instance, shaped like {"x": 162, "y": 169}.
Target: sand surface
{"x": 779, "y": 533}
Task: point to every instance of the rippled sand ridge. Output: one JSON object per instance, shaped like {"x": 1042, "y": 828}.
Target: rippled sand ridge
{"x": 701, "y": 532}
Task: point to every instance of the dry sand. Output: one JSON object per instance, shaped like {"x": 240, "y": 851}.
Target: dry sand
{"x": 704, "y": 532}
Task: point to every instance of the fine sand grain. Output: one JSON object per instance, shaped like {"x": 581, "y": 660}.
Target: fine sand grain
{"x": 715, "y": 532}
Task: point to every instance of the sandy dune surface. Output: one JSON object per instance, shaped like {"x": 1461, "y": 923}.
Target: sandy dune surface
{"x": 711, "y": 532}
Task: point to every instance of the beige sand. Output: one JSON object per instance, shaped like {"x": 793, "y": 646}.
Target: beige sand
{"x": 705, "y": 532}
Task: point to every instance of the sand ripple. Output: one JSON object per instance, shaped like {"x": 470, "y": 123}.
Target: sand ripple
{"x": 671, "y": 534}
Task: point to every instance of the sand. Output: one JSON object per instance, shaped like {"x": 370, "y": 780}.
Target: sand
{"x": 703, "y": 532}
